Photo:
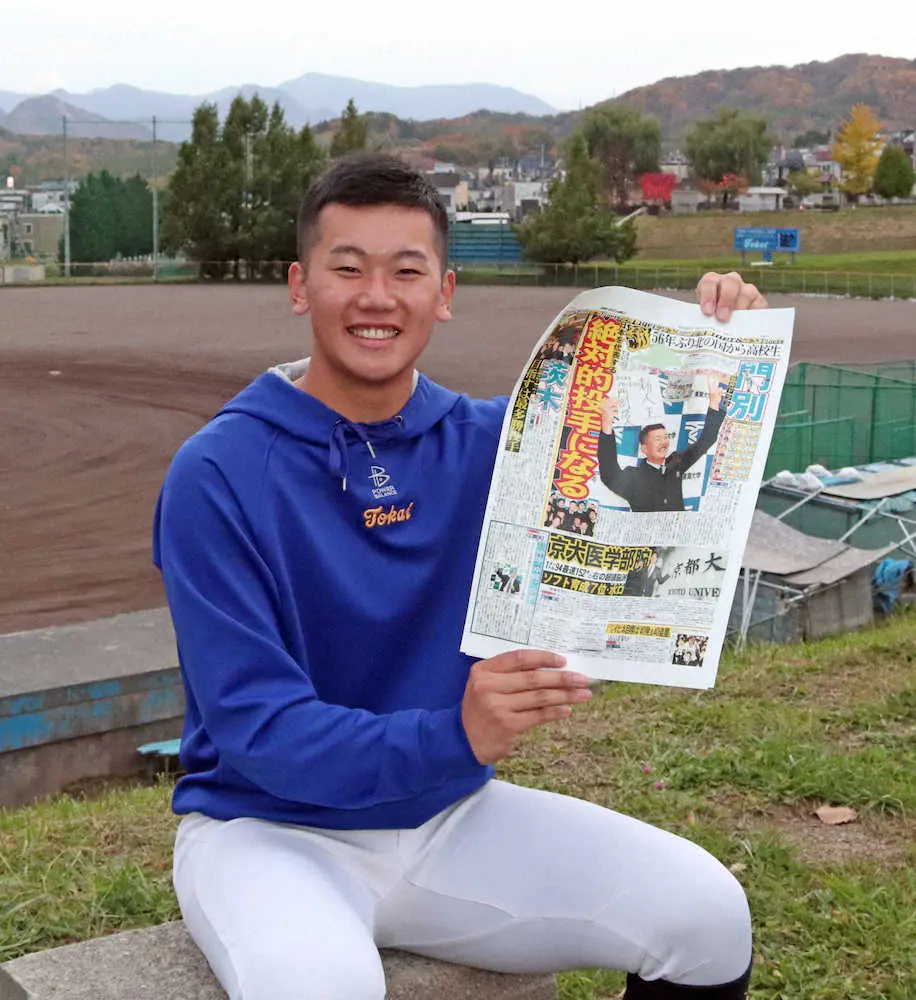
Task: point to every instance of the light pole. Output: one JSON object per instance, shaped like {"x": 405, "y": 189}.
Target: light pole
{"x": 155, "y": 206}
{"x": 66, "y": 202}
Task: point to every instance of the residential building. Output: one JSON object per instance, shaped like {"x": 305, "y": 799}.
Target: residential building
{"x": 452, "y": 189}
{"x": 36, "y": 234}
{"x": 687, "y": 200}
{"x": 762, "y": 199}
{"x": 520, "y": 198}
{"x": 675, "y": 163}
{"x": 13, "y": 201}
{"x": 49, "y": 199}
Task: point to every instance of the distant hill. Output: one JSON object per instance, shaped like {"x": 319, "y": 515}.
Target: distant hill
{"x": 793, "y": 99}
{"x": 311, "y": 98}
{"x": 41, "y": 157}
{"x": 317, "y": 90}
{"x": 44, "y": 116}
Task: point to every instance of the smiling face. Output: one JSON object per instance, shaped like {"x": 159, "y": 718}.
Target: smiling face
{"x": 374, "y": 286}
{"x": 656, "y": 446}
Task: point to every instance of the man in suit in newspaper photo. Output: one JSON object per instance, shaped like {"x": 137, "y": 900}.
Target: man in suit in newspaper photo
{"x": 655, "y": 483}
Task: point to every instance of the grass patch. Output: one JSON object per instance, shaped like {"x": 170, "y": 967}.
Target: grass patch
{"x": 785, "y": 730}
{"x": 861, "y": 230}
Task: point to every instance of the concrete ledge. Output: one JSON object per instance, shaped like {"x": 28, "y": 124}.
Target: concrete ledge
{"x": 100, "y": 650}
{"x": 77, "y": 700}
{"x": 162, "y": 963}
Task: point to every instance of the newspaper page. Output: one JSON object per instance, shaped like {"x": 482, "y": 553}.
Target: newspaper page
{"x": 627, "y": 474}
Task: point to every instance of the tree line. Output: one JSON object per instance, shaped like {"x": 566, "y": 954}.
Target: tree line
{"x": 232, "y": 201}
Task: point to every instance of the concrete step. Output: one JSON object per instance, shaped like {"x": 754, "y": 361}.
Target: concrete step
{"x": 77, "y": 700}
{"x": 163, "y": 963}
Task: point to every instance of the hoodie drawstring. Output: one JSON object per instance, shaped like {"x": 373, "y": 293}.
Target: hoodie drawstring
{"x": 339, "y": 460}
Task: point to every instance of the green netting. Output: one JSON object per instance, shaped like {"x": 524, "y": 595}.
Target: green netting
{"x": 837, "y": 416}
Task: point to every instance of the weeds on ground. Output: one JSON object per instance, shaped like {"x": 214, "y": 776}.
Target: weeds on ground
{"x": 739, "y": 769}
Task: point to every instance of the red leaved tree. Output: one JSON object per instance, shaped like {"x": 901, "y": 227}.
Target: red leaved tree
{"x": 657, "y": 187}
{"x": 732, "y": 184}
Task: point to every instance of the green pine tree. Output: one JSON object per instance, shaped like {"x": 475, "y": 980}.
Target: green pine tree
{"x": 353, "y": 134}
{"x": 233, "y": 199}
{"x": 574, "y": 226}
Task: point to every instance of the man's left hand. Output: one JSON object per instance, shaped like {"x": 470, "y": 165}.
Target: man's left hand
{"x": 721, "y": 294}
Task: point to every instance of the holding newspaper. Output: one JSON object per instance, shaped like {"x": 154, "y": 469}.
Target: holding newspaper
{"x": 316, "y": 540}
{"x": 643, "y": 426}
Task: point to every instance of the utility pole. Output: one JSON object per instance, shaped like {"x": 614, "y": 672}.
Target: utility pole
{"x": 66, "y": 202}
{"x": 155, "y": 207}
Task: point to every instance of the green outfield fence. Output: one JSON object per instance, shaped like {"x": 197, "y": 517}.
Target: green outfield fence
{"x": 838, "y": 416}
{"x": 631, "y": 275}
{"x": 649, "y": 277}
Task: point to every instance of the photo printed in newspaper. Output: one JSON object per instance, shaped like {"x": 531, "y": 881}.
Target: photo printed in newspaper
{"x": 626, "y": 478}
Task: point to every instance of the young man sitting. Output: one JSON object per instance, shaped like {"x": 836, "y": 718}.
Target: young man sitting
{"x": 317, "y": 540}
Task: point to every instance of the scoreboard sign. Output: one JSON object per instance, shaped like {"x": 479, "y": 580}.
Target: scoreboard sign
{"x": 767, "y": 240}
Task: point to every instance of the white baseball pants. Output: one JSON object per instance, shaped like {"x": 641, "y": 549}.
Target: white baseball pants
{"x": 509, "y": 879}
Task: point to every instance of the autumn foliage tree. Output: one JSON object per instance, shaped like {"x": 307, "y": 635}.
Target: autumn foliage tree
{"x": 728, "y": 186}
{"x": 657, "y": 187}
{"x": 857, "y": 150}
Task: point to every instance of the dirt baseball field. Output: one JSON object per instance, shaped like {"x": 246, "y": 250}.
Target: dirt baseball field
{"x": 99, "y": 386}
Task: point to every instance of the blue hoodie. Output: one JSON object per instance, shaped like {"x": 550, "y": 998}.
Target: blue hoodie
{"x": 318, "y": 573}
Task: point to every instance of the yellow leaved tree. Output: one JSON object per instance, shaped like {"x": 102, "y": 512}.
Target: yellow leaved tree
{"x": 857, "y": 149}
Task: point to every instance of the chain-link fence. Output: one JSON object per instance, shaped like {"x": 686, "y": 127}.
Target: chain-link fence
{"x": 836, "y": 416}
{"x": 685, "y": 277}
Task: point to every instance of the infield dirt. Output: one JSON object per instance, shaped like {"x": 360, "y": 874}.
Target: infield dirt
{"x": 100, "y": 385}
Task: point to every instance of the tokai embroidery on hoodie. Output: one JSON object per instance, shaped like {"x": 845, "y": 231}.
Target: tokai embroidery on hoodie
{"x": 378, "y": 517}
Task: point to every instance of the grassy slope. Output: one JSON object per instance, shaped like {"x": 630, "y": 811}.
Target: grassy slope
{"x": 786, "y": 729}
{"x": 711, "y": 234}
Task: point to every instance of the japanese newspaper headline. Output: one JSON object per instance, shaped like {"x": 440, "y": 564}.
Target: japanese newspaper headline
{"x": 627, "y": 474}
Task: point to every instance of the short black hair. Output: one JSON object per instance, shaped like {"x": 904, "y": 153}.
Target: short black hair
{"x": 372, "y": 179}
{"x": 644, "y": 433}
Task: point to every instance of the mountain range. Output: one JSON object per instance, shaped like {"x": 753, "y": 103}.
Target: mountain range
{"x": 793, "y": 99}
{"x": 308, "y": 99}
{"x": 428, "y": 123}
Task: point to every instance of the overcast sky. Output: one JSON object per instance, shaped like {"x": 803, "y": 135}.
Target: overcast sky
{"x": 570, "y": 54}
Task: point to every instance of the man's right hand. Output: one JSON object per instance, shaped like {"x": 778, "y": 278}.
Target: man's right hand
{"x": 609, "y": 407}
{"x": 513, "y": 692}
